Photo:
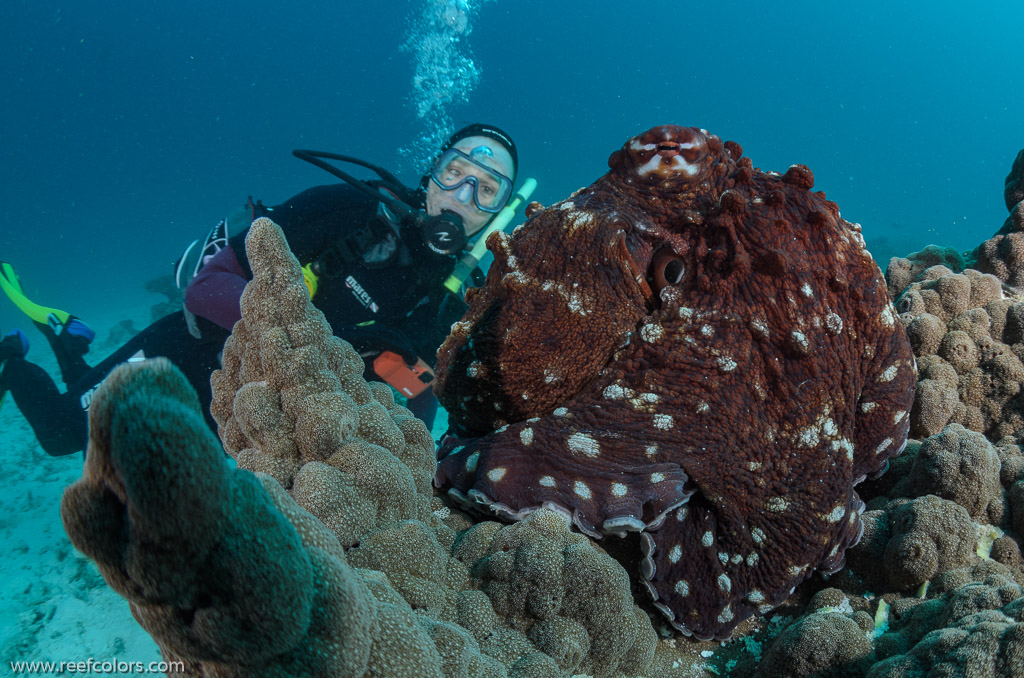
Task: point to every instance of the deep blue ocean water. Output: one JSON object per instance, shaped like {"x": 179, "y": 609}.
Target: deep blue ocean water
{"x": 130, "y": 128}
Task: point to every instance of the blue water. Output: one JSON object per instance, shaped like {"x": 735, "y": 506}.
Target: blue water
{"x": 129, "y": 128}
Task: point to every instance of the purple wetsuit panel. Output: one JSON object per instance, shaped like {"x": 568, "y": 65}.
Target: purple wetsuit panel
{"x": 216, "y": 290}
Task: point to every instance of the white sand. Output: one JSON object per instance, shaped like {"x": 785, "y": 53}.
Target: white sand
{"x": 54, "y": 605}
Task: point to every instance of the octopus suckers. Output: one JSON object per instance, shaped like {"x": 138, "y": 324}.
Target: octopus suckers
{"x": 663, "y": 422}
{"x": 724, "y": 583}
{"x": 496, "y": 474}
{"x": 651, "y": 332}
{"x": 547, "y": 481}
{"x": 682, "y": 588}
{"x": 708, "y": 539}
{"x": 675, "y": 554}
{"x": 584, "y": 444}
{"x": 619, "y": 490}
{"x": 777, "y": 504}
{"x": 888, "y": 375}
{"x": 526, "y": 436}
{"x": 581, "y": 490}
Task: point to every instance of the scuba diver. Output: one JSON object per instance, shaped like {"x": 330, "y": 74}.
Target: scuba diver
{"x": 384, "y": 263}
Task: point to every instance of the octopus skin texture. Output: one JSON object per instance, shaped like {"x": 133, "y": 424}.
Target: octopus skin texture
{"x": 691, "y": 348}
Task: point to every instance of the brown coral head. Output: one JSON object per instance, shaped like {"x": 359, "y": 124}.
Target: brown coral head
{"x": 664, "y": 154}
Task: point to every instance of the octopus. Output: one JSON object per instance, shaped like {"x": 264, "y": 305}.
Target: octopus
{"x": 692, "y": 349}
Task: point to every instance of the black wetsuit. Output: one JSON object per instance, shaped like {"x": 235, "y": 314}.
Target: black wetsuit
{"x": 59, "y": 419}
{"x": 401, "y": 293}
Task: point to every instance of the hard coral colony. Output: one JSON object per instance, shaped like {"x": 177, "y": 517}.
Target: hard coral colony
{"x": 711, "y": 358}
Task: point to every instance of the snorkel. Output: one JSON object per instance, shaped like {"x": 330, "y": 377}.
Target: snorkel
{"x": 471, "y": 259}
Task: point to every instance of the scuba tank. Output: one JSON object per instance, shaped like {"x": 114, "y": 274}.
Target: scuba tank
{"x": 200, "y": 250}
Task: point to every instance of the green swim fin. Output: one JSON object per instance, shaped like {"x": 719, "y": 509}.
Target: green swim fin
{"x": 11, "y": 286}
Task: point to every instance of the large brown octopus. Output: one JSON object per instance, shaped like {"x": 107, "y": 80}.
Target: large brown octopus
{"x": 691, "y": 348}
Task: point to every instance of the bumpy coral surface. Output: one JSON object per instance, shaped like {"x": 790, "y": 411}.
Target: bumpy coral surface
{"x": 355, "y": 569}
{"x": 967, "y": 331}
{"x": 221, "y": 566}
{"x": 691, "y": 348}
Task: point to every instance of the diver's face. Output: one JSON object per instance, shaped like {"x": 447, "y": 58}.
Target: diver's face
{"x": 460, "y": 200}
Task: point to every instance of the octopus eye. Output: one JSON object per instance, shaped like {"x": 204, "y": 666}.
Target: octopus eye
{"x": 667, "y": 268}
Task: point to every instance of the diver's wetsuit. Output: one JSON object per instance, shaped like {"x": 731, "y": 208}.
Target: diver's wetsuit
{"x": 59, "y": 419}
{"x": 394, "y": 282}
{"x": 401, "y": 291}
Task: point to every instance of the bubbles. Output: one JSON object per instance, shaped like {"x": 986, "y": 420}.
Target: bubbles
{"x": 445, "y": 73}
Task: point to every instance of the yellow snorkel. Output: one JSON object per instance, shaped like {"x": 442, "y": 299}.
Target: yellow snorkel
{"x": 472, "y": 258}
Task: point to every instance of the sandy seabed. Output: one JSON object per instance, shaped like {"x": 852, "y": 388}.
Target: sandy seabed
{"x": 54, "y": 605}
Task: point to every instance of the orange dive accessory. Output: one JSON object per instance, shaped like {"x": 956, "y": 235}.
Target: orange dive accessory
{"x": 410, "y": 381}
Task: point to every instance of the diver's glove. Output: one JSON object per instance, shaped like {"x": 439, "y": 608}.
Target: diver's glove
{"x": 374, "y": 339}
{"x": 444, "y": 233}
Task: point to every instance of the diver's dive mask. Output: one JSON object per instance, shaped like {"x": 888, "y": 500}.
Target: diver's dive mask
{"x": 461, "y": 172}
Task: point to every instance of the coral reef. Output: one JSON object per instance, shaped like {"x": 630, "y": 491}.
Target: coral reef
{"x": 967, "y": 333}
{"x": 324, "y": 552}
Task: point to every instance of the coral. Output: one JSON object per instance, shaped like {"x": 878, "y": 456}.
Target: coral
{"x": 902, "y": 271}
{"x": 1013, "y": 190}
{"x": 333, "y": 558}
{"x": 222, "y": 568}
{"x": 974, "y": 630}
{"x": 967, "y": 333}
{"x": 827, "y": 644}
{"x": 961, "y": 466}
{"x": 1002, "y": 255}
{"x": 553, "y": 585}
{"x": 910, "y": 541}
